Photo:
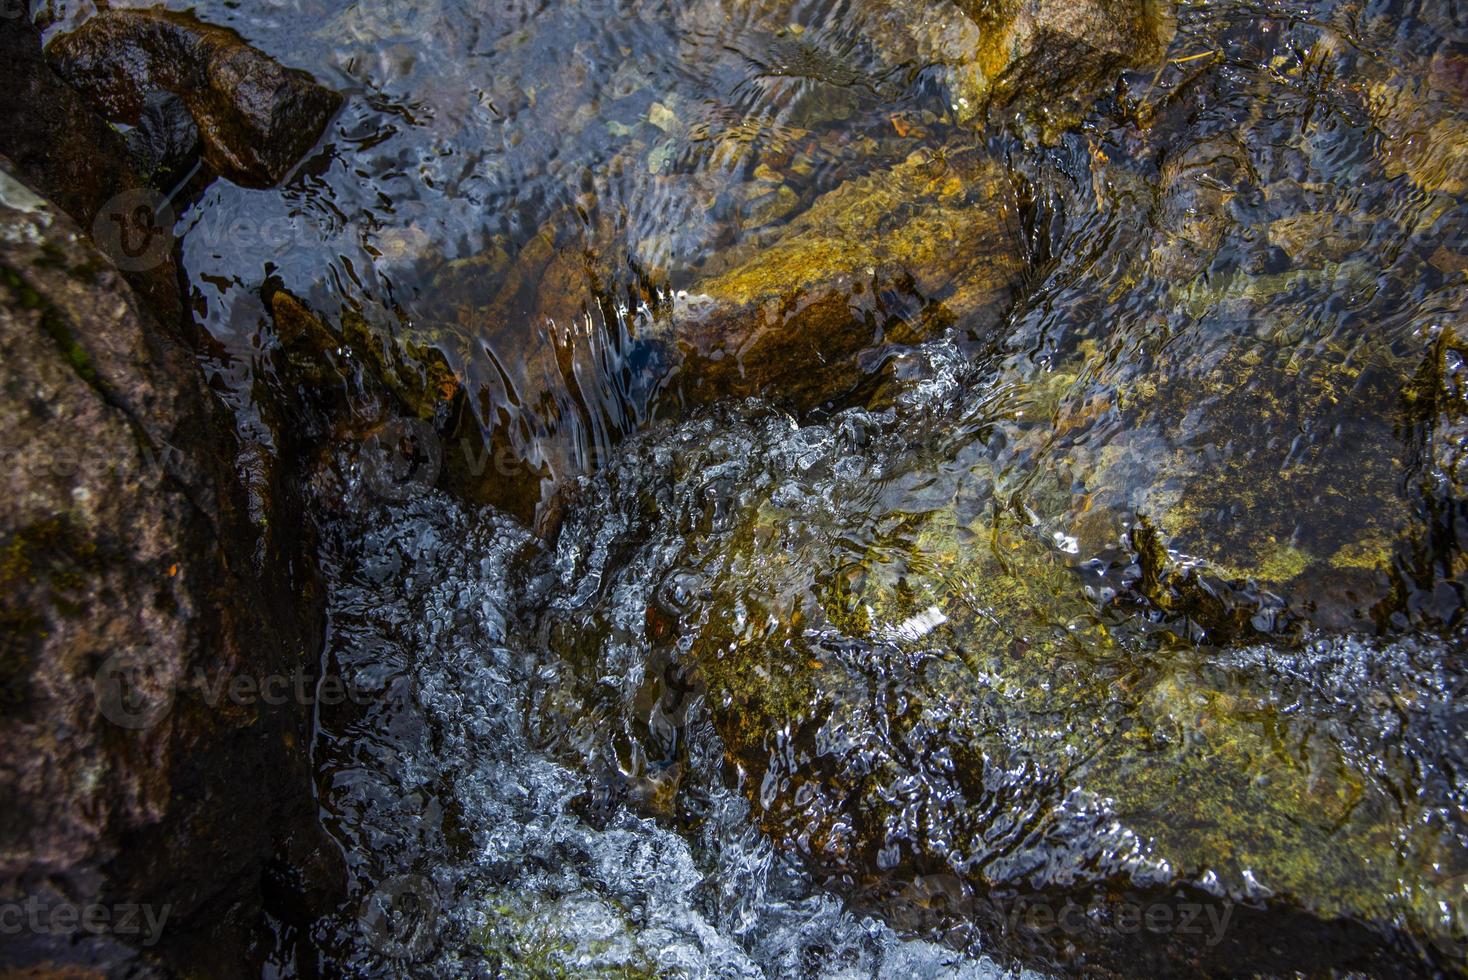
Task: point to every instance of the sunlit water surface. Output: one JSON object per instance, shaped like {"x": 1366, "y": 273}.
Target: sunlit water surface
{"x": 564, "y": 802}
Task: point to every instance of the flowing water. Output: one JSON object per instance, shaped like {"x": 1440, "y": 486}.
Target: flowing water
{"x": 700, "y": 691}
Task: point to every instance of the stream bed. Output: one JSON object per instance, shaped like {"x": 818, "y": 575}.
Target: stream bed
{"x": 845, "y": 533}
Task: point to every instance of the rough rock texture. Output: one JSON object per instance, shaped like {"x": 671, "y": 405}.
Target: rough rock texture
{"x": 256, "y": 118}
{"x": 129, "y": 570}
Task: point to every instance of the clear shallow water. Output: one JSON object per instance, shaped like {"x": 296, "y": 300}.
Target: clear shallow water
{"x": 1234, "y": 270}
{"x": 614, "y": 148}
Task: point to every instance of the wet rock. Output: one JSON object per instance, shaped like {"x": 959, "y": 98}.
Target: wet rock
{"x": 388, "y": 406}
{"x": 987, "y": 655}
{"x": 1043, "y": 60}
{"x": 1250, "y": 444}
{"x": 74, "y": 158}
{"x": 131, "y": 572}
{"x": 165, "y": 142}
{"x": 1435, "y": 410}
{"x": 1195, "y": 188}
{"x": 415, "y": 374}
{"x": 1275, "y": 477}
{"x": 256, "y": 118}
{"x": 886, "y": 259}
{"x": 47, "y": 129}
{"x": 893, "y": 257}
{"x": 357, "y": 367}
{"x": 1422, "y": 138}
{"x": 1048, "y": 59}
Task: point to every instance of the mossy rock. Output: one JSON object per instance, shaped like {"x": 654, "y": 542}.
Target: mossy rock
{"x": 545, "y": 939}
{"x": 134, "y": 558}
{"x": 1280, "y": 472}
{"x": 906, "y": 692}
{"x": 894, "y": 256}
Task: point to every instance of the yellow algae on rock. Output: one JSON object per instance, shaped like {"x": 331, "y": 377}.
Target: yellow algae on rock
{"x": 895, "y": 254}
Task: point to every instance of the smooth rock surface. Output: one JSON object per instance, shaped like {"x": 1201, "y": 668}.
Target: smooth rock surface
{"x": 257, "y": 119}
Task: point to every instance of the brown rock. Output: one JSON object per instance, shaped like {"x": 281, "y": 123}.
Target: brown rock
{"x": 256, "y": 118}
{"x": 129, "y": 570}
{"x": 74, "y": 158}
{"x": 1049, "y": 58}
{"x": 893, "y": 256}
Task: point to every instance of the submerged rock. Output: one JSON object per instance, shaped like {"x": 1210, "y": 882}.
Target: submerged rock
{"x": 945, "y": 716}
{"x": 256, "y": 118}
{"x": 1260, "y": 485}
{"x": 791, "y": 313}
{"x": 1049, "y": 59}
{"x": 1423, "y": 137}
{"x": 131, "y": 580}
{"x": 894, "y": 257}
{"x": 989, "y": 659}
{"x": 1044, "y": 61}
